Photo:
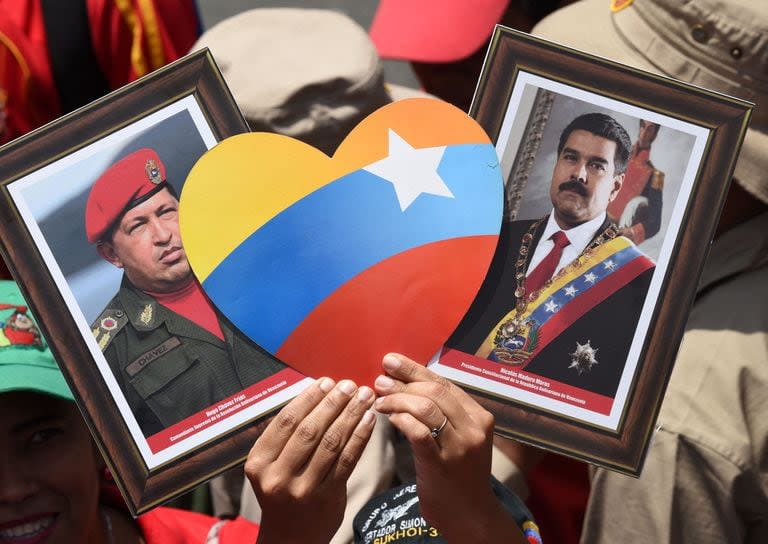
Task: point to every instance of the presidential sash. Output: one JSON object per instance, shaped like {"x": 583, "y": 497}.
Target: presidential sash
{"x": 575, "y": 290}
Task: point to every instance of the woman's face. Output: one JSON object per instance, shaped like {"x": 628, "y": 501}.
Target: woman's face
{"x": 49, "y": 472}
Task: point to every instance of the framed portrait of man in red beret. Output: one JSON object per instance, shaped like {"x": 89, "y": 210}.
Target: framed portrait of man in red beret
{"x": 611, "y": 178}
{"x": 91, "y": 229}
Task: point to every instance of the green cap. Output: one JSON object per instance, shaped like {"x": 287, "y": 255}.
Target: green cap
{"x": 26, "y": 362}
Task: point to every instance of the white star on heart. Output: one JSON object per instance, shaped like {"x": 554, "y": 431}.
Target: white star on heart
{"x": 570, "y": 291}
{"x": 550, "y": 306}
{"x": 609, "y": 265}
{"x": 591, "y": 278}
{"x": 411, "y": 171}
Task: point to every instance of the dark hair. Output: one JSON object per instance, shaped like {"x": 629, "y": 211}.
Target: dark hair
{"x": 606, "y": 127}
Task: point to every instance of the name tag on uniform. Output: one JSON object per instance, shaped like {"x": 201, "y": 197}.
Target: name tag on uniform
{"x": 145, "y": 358}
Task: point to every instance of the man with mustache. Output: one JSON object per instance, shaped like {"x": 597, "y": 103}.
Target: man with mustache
{"x": 564, "y": 293}
{"x": 168, "y": 349}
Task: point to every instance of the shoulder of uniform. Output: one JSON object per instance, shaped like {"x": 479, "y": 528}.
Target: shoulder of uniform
{"x": 657, "y": 179}
{"x": 107, "y": 325}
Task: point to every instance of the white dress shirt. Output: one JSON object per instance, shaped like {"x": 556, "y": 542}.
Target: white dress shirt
{"x": 579, "y": 238}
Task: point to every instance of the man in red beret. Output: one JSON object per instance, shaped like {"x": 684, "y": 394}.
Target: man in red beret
{"x": 167, "y": 347}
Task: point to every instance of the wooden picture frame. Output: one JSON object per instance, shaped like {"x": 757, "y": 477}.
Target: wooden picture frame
{"x": 528, "y": 92}
{"x": 180, "y": 111}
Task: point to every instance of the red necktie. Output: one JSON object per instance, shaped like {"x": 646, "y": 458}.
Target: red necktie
{"x": 546, "y": 268}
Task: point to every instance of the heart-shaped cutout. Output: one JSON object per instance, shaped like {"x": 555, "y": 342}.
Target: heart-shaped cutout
{"x": 330, "y": 263}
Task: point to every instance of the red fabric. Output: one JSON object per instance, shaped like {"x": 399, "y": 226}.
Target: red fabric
{"x": 191, "y": 303}
{"x": 170, "y": 526}
{"x": 558, "y": 498}
{"x": 638, "y": 172}
{"x": 117, "y": 34}
{"x": 546, "y": 268}
{"x": 28, "y": 94}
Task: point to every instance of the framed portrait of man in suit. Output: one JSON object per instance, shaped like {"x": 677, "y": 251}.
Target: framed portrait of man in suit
{"x": 610, "y": 181}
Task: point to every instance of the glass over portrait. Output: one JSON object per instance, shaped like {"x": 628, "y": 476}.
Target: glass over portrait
{"x": 594, "y": 188}
{"x": 172, "y": 391}
{"x": 611, "y": 176}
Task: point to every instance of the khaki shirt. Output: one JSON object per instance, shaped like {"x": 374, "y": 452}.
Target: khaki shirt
{"x": 705, "y": 479}
{"x": 168, "y": 367}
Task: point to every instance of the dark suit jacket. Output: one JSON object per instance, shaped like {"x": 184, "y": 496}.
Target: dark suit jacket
{"x": 609, "y": 326}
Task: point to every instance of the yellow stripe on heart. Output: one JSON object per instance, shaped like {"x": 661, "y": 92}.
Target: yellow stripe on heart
{"x": 214, "y": 222}
{"x": 246, "y": 180}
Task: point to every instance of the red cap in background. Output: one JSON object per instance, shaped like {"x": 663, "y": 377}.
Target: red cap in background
{"x": 434, "y": 30}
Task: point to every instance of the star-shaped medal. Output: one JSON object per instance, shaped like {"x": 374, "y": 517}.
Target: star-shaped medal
{"x": 583, "y": 359}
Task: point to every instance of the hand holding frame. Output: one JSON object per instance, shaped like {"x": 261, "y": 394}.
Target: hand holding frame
{"x": 451, "y": 436}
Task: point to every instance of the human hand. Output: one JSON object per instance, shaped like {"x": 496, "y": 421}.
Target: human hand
{"x": 451, "y": 436}
{"x": 300, "y": 465}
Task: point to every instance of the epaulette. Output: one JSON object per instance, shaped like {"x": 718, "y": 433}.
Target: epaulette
{"x": 657, "y": 181}
{"x": 107, "y": 325}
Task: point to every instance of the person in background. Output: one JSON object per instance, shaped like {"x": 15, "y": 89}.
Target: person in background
{"x": 58, "y": 56}
{"x": 54, "y": 485}
{"x": 322, "y": 81}
{"x": 446, "y": 40}
{"x": 705, "y": 478}
{"x": 54, "y": 488}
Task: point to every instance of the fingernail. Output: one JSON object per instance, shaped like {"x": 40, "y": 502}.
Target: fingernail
{"x": 390, "y": 362}
{"x": 368, "y": 417}
{"x": 384, "y": 382}
{"x": 347, "y": 387}
{"x": 379, "y": 402}
{"x": 364, "y": 394}
{"x": 325, "y": 384}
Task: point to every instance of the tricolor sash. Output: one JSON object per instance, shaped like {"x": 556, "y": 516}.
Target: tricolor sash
{"x": 574, "y": 291}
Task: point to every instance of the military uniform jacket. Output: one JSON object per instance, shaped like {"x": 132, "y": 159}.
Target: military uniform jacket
{"x": 705, "y": 479}
{"x": 641, "y": 179}
{"x": 168, "y": 367}
{"x": 609, "y": 326}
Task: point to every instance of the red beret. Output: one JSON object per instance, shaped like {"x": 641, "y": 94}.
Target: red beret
{"x": 122, "y": 186}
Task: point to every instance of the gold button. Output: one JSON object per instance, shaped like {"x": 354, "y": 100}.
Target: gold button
{"x": 699, "y": 33}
